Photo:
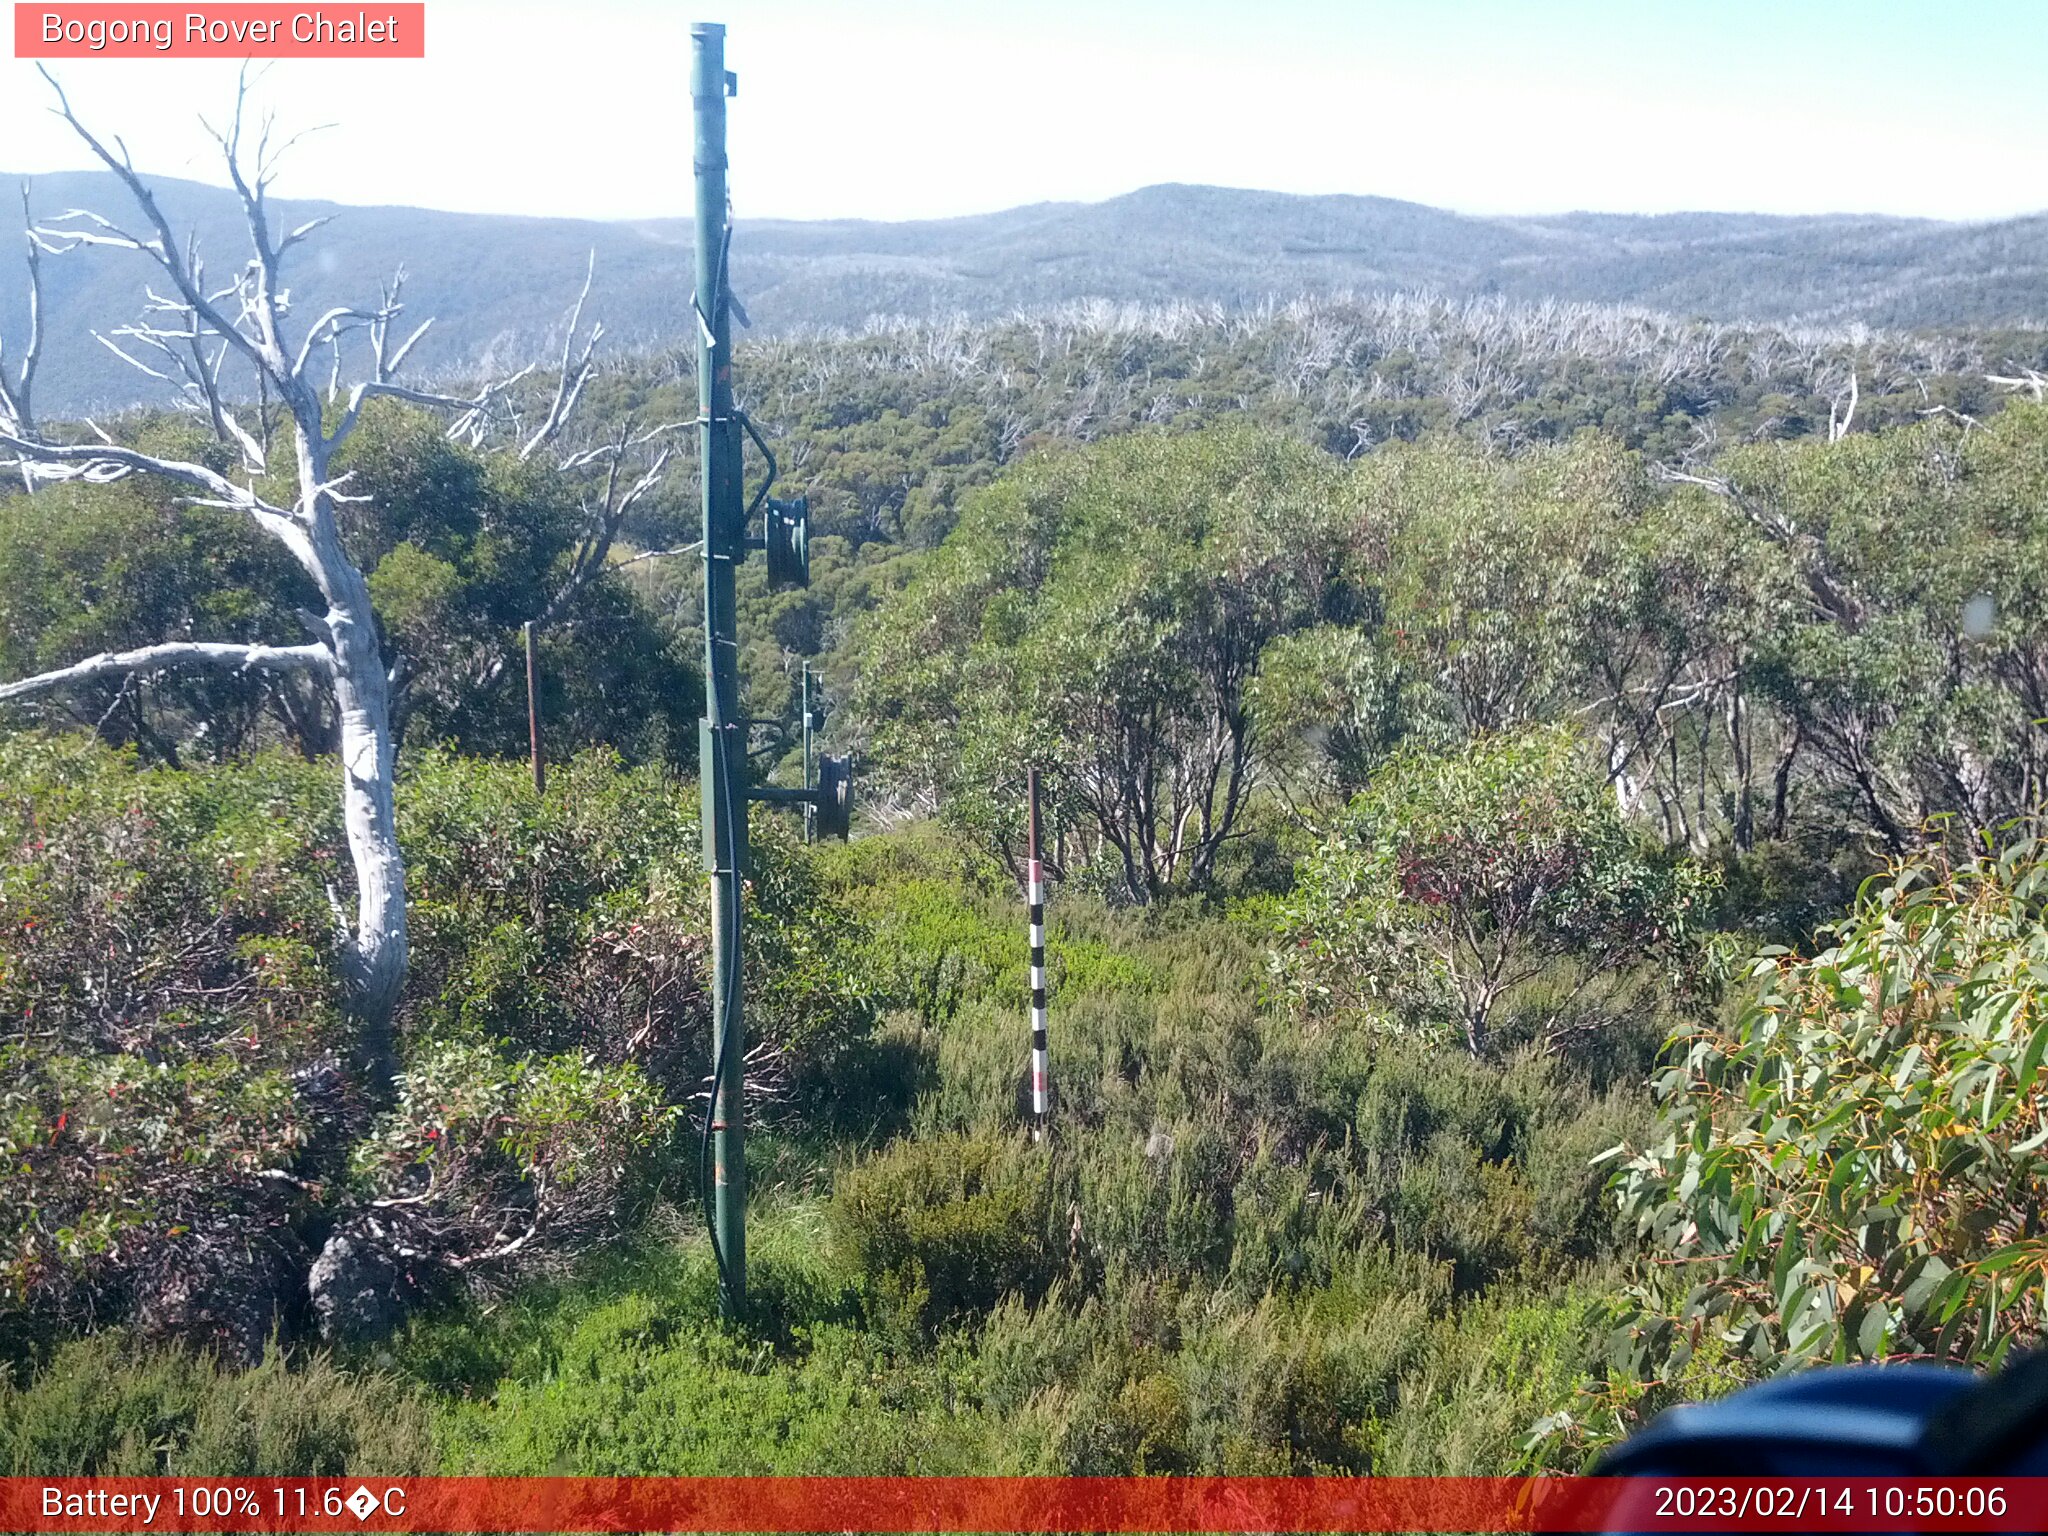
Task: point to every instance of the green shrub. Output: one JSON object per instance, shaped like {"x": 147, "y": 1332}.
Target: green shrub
{"x": 167, "y": 968}
{"x": 1158, "y": 1201}
{"x": 637, "y": 1391}
{"x": 483, "y": 1157}
{"x": 181, "y": 1124}
{"x": 1456, "y": 879}
{"x": 1296, "y": 1222}
{"x": 1487, "y": 1166}
{"x": 1482, "y": 1377}
{"x": 105, "y": 1408}
{"x": 1789, "y": 890}
{"x": 1102, "y": 612}
{"x": 1177, "y": 1376}
{"x": 1853, "y": 1166}
{"x": 943, "y": 1229}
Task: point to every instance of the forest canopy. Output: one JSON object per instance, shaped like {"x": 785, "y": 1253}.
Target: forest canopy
{"x": 1492, "y": 755}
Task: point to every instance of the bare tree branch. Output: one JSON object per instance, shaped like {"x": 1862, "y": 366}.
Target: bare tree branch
{"x": 102, "y": 462}
{"x": 187, "y": 336}
{"x": 2033, "y": 382}
{"x": 163, "y": 247}
{"x": 569, "y": 385}
{"x": 17, "y": 409}
{"x": 184, "y": 654}
{"x": 659, "y": 554}
{"x": 351, "y": 660}
{"x": 469, "y": 425}
{"x": 1840, "y": 413}
{"x": 1834, "y": 598}
{"x": 606, "y": 514}
{"x": 90, "y": 457}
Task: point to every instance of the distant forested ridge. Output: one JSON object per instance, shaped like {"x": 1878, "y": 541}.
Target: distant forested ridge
{"x": 494, "y": 282}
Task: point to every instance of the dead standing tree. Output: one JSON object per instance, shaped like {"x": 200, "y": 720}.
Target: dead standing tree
{"x": 17, "y": 397}
{"x": 191, "y": 337}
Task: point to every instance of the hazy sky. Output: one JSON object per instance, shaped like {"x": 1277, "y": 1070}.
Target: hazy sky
{"x": 915, "y": 108}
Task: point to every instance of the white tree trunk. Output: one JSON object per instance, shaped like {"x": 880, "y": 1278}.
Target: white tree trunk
{"x": 362, "y": 698}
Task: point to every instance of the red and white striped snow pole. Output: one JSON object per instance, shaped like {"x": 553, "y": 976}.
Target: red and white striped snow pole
{"x": 1035, "y": 895}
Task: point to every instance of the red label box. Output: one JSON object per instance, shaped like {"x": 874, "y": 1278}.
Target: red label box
{"x": 1048, "y": 1506}
{"x": 376, "y": 30}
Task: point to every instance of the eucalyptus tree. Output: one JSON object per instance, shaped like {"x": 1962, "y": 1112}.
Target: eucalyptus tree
{"x": 1459, "y": 877}
{"x": 1104, "y": 613}
{"x": 1910, "y": 660}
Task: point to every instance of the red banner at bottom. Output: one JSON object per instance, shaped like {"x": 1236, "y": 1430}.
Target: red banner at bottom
{"x": 1022, "y": 1504}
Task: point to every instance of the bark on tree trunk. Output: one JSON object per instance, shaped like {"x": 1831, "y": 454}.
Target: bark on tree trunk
{"x": 379, "y": 950}
{"x": 369, "y": 815}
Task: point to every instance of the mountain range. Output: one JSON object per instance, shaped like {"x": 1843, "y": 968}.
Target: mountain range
{"x": 498, "y": 285}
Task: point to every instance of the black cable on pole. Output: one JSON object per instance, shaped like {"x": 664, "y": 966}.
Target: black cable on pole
{"x": 706, "y": 1191}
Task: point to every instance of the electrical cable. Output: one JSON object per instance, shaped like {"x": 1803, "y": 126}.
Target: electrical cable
{"x": 706, "y": 1190}
{"x": 721, "y": 768}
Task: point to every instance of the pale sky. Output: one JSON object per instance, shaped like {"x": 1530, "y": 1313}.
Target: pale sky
{"x": 896, "y": 109}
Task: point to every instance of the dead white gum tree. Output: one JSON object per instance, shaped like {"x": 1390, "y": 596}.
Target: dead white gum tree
{"x": 222, "y": 344}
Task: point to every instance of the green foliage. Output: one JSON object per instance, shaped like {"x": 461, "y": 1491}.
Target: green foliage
{"x": 939, "y": 931}
{"x": 165, "y": 960}
{"x": 575, "y": 922}
{"x": 108, "y": 1408}
{"x": 1169, "y": 1376}
{"x": 459, "y": 549}
{"x": 1254, "y": 1241}
{"x": 1454, "y": 880}
{"x": 1333, "y": 702}
{"x": 639, "y": 1391}
{"x": 1478, "y": 545}
{"x": 1808, "y": 642}
{"x": 625, "y": 1369}
{"x": 1103, "y": 613}
{"x": 179, "y": 1122}
{"x": 546, "y": 921}
{"x": 482, "y": 1156}
{"x": 1784, "y": 891}
{"x": 946, "y": 1227}
{"x": 89, "y": 568}
{"x": 1852, "y": 1167}
{"x": 1247, "y": 1247}
{"x": 1228, "y": 1142}
{"x": 1915, "y": 669}
{"x": 896, "y": 428}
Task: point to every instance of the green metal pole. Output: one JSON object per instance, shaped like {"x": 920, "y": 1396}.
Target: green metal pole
{"x": 721, "y": 752}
